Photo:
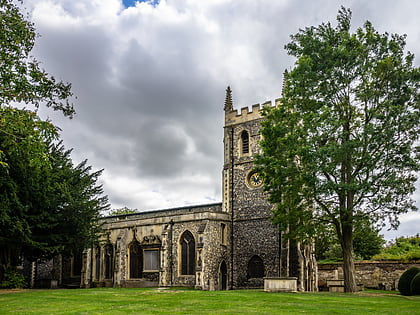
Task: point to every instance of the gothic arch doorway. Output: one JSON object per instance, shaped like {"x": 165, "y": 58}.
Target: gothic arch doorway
{"x": 255, "y": 267}
{"x": 223, "y": 278}
{"x": 136, "y": 260}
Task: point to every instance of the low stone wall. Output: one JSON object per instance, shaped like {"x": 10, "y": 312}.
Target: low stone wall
{"x": 382, "y": 275}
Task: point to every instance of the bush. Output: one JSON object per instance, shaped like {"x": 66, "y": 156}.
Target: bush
{"x": 13, "y": 279}
{"x": 404, "y": 284}
{"x": 413, "y": 255}
{"x": 404, "y": 249}
{"x": 415, "y": 285}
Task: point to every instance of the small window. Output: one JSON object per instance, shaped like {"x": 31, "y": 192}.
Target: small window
{"x": 223, "y": 236}
{"x": 245, "y": 142}
{"x": 151, "y": 260}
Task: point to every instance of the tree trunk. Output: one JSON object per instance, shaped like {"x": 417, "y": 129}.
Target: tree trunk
{"x": 348, "y": 260}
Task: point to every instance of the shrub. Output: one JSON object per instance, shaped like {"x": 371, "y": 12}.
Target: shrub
{"x": 13, "y": 279}
{"x": 413, "y": 255}
{"x": 404, "y": 284}
{"x": 415, "y": 285}
{"x": 403, "y": 248}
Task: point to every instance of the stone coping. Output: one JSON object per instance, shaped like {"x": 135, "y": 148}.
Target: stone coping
{"x": 160, "y": 212}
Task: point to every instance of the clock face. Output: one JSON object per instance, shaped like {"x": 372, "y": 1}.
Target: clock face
{"x": 255, "y": 180}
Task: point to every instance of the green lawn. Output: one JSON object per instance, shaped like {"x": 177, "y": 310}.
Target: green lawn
{"x": 182, "y": 301}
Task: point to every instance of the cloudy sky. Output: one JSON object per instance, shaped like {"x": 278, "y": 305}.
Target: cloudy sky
{"x": 150, "y": 80}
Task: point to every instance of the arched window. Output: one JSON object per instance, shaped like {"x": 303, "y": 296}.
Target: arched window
{"x": 136, "y": 260}
{"x": 255, "y": 267}
{"x": 109, "y": 259}
{"x": 98, "y": 262}
{"x": 245, "y": 142}
{"x": 187, "y": 253}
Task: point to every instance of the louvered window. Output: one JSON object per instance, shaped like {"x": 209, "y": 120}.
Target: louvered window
{"x": 245, "y": 142}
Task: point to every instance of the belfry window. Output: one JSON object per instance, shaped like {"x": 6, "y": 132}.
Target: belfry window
{"x": 136, "y": 261}
{"x": 245, "y": 142}
{"x": 187, "y": 253}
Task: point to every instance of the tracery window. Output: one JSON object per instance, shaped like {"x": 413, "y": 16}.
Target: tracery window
{"x": 187, "y": 253}
{"x": 151, "y": 260}
{"x": 255, "y": 267}
{"x": 245, "y": 142}
{"x": 136, "y": 262}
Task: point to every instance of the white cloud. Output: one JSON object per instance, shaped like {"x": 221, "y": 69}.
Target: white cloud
{"x": 150, "y": 81}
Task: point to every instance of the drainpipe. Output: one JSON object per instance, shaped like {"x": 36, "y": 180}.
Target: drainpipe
{"x": 231, "y": 207}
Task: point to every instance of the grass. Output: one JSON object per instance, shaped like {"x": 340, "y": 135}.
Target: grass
{"x": 183, "y": 301}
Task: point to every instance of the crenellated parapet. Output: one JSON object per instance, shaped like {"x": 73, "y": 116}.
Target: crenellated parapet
{"x": 233, "y": 117}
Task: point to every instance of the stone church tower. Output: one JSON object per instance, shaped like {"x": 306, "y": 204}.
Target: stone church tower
{"x": 257, "y": 247}
{"x": 219, "y": 246}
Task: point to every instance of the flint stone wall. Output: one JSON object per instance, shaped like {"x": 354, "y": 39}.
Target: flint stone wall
{"x": 382, "y": 275}
{"x": 204, "y": 222}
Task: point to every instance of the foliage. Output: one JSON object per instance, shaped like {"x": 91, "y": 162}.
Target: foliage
{"x": 47, "y": 204}
{"x": 13, "y": 279}
{"x": 367, "y": 243}
{"x": 403, "y": 248}
{"x": 341, "y": 146}
{"x": 24, "y": 141}
{"x": 21, "y": 78}
{"x": 123, "y": 210}
{"x": 415, "y": 285}
{"x": 182, "y": 301}
{"x": 404, "y": 283}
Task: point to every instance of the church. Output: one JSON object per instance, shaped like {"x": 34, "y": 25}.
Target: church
{"x": 219, "y": 246}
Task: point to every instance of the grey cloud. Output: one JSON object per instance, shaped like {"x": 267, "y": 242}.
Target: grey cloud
{"x": 150, "y": 84}
{"x": 162, "y": 150}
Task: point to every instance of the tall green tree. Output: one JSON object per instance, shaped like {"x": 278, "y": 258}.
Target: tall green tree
{"x": 341, "y": 146}
{"x": 48, "y": 206}
{"x": 24, "y": 144}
